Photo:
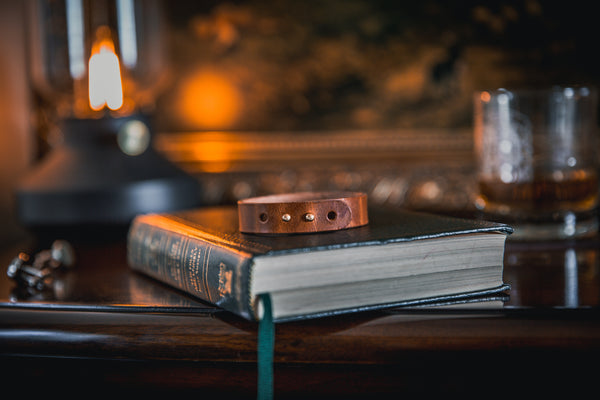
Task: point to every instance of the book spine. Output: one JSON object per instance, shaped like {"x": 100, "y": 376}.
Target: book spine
{"x": 209, "y": 271}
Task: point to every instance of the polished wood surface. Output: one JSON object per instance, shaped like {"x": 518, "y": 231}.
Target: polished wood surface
{"x": 106, "y": 326}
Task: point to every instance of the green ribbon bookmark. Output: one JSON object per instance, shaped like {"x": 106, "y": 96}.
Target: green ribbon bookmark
{"x": 266, "y": 344}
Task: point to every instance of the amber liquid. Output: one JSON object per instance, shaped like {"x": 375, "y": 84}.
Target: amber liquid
{"x": 576, "y": 192}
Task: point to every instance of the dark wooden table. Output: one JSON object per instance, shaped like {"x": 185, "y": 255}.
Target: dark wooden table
{"x": 105, "y": 328}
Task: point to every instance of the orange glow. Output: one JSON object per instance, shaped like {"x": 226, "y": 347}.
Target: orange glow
{"x": 209, "y": 100}
{"x": 105, "y": 85}
{"x": 215, "y": 156}
{"x": 485, "y": 97}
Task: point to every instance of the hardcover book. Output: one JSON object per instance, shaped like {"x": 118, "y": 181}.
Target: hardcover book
{"x": 400, "y": 258}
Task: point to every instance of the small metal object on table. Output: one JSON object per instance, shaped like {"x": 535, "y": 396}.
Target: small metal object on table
{"x": 38, "y": 273}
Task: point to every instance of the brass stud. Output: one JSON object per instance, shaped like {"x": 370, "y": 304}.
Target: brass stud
{"x": 286, "y": 217}
{"x": 309, "y": 217}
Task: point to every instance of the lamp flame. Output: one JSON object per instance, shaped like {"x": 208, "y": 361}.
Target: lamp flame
{"x": 105, "y": 85}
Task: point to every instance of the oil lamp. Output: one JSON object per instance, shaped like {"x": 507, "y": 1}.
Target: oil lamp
{"x": 98, "y": 63}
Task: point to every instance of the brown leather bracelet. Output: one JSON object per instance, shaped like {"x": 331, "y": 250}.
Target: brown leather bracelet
{"x": 303, "y": 212}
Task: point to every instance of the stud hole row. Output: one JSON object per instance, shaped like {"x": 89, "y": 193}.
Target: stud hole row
{"x": 331, "y": 216}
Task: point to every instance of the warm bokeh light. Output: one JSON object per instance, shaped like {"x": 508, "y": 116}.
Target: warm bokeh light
{"x": 208, "y": 99}
{"x": 216, "y": 155}
{"x": 105, "y": 86}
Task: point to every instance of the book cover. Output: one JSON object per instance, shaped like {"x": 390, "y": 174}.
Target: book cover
{"x": 399, "y": 258}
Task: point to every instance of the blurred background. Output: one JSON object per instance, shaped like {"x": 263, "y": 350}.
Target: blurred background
{"x": 273, "y": 96}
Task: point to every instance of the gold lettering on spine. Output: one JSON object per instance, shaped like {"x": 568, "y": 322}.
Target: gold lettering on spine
{"x": 153, "y": 242}
{"x": 205, "y": 272}
{"x": 193, "y": 266}
{"x": 173, "y": 260}
{"x": 185, "y": 244}
{"x": 225, "y": 276}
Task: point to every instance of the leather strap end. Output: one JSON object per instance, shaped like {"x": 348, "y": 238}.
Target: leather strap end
{"x": 306, "y": 212}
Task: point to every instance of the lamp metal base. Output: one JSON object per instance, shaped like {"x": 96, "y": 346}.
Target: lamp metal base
{"x": 90, "y": 180}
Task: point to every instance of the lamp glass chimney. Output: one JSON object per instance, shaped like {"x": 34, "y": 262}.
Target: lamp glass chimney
{"x": 92, "y": 58}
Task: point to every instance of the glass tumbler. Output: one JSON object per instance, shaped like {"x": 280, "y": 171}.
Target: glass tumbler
{"x": 537, "y": 161}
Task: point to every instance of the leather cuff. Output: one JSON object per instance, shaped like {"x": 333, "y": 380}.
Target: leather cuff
{"x": 306, "y": 212}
